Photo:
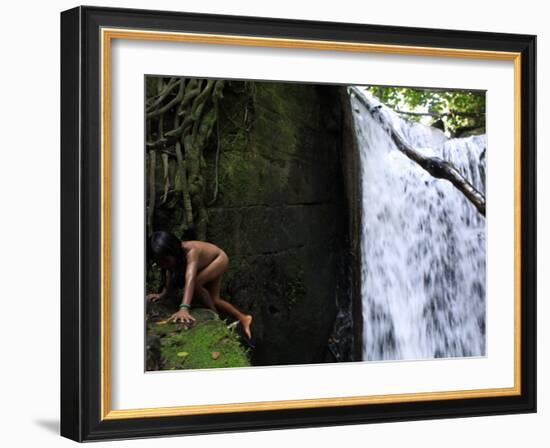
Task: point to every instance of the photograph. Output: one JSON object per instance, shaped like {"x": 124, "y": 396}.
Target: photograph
{"x": 296, "y": 223}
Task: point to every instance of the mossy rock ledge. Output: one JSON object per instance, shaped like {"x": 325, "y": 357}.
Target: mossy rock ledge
{"x": 207, "y": 344}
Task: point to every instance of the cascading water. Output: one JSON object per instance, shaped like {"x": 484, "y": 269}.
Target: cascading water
{"x": 423, "y": 242}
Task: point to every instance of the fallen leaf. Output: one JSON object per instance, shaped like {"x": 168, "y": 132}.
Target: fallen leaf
{"x": 215, "y": 355}
{"x": 183, "y": 354}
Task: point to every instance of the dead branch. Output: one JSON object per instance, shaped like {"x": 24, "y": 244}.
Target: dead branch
{"x": 437, "y": 167}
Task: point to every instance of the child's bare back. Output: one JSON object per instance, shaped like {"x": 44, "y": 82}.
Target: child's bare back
{"x": 204, "y": 253}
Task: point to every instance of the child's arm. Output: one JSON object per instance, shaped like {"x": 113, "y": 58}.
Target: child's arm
{"x": 190, "y": 276}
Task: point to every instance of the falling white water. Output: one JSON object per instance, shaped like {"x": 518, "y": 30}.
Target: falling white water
{"x": 423, "y": 243}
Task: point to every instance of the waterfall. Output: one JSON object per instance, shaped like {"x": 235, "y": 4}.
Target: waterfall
{"x": 422, "y": 242}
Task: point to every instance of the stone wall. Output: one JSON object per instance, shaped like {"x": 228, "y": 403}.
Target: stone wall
{"x": 278, "y": 208}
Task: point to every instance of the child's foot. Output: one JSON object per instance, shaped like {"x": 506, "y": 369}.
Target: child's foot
{"x": 246, "y": 321}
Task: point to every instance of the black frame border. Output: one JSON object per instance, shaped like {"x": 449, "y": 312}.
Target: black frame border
{"x": 81, "y": 223}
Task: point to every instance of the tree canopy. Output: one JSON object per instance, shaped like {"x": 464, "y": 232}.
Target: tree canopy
{"x": 456, "y": 112}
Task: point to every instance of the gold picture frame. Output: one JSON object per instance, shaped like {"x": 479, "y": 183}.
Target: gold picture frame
{"x": 105, "y": 26}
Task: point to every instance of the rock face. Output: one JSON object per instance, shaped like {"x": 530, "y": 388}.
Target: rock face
{"x": 278, "y": 208}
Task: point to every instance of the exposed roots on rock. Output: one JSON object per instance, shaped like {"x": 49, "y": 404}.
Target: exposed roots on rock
{"x": 191, "y": 108}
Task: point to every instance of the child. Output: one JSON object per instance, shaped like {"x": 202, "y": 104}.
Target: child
{"x": 197, "y": 267}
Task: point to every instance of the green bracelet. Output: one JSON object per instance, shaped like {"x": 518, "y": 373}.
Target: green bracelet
{"x": 185, "y": 305}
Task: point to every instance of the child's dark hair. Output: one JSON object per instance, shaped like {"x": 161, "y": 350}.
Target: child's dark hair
{"x": 163, "y": 244}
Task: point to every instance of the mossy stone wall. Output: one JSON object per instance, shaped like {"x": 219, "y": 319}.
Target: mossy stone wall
{"x": 280, "y": 213}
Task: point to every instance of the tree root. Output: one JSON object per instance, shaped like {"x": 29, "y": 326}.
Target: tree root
{"x": 182, "y": 145}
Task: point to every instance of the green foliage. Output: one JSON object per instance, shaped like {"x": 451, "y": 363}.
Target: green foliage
{"x": 453, "y": 111}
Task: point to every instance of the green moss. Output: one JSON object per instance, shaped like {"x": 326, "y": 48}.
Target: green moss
{"x": 207, "y": 344}
{"x": 291, "y": 100}
{"x": 285, "y": 113}
{"x": 294, "y": 290}
{"x": 257, "y": 158}
{"x": 234, "y": 176}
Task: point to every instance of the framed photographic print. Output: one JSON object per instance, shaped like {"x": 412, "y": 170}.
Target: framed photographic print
{"x": 274, "y": 223}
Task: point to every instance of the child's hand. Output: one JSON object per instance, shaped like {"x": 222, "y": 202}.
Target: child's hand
{"x": 154, "y": 297}
{"x": 182, "y": 316}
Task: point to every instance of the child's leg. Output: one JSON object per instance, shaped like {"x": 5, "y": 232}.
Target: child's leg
{"x": 214, "y": 288}
{"x": 205, "y": 297}
{"x": 211, "y": 279}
